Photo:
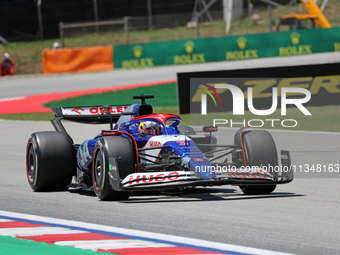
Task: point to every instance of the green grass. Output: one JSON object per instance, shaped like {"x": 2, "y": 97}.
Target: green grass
{"x": 28, "y": 55}
{"x": 28, "y": 116}
{"x": 165, "y": 95}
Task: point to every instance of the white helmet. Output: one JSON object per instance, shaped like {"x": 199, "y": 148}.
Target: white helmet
{"x": 55, "y": 45}
{"x": 6, "y": 55}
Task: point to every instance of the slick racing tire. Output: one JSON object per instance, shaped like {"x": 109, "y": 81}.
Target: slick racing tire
{"x": 260, "y": 149}
{"x": 121, "y": 149}
{"x": 49, "y": 161}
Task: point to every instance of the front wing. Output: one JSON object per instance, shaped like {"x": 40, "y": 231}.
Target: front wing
{"x": 165, "y": 180}
{"x": 236, "y": 176}
{"x": 177, "y": 179}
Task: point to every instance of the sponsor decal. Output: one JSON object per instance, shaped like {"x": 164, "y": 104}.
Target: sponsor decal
{"x": 295, "y": 49}
{"x": 336, "y": 46}
{"x": 112, "y": 109}
{"x": 157, "y": 141}
{"x": 138, "y": 61}
{"x": 295, "y": 37}
{"x": 137, "y": 51}
{"x": 209, "y": 129}
{"x": 155, "y": 144}
{"x": 112, "y": 167}
{"x": 190, "y": 57}
{"x": 92, "y": 110}
{"x": 183, "y": 143}
{"x": 154, "y": 177}
{"x": 242, "y": 53}
{"x": 77, "y": 110}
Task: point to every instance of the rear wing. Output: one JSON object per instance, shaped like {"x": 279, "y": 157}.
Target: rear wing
{"x": 88, "y": 115}
{"x": 99, "y": 114}
{"x": 91, "y": 114}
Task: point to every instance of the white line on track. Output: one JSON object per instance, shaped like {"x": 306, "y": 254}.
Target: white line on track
{"x": 144, "y": 234}
{"x": 37, "y": 231}
{"x": 112, "y": 244}
{"x": 11, "y": 98}
{"x": 5, "y": 220}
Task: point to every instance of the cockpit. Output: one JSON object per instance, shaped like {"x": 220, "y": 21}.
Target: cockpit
{"x": 153, "y": 124}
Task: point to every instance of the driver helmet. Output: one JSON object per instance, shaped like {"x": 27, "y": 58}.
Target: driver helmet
{"x": 149, "y": 128}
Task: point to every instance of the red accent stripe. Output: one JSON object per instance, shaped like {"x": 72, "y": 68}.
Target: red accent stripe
{"x": 35, "y": 103}
{"x": 51, "y": 239}
{"x": 27, "y": 170}
{"x": 93, "y": 174}
{"x": 137, "y": 155}
{"x": 160, "y": 116}
{"x": 19, "y": 224}
{"x": 158, "y": 251}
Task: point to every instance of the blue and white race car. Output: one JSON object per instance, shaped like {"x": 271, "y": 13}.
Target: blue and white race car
{"x": 146, "y": 151}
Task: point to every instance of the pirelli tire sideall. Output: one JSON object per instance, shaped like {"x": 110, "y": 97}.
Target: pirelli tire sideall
{"x": 260, "y": 149}
{"x": 49, "y": 161}
{"x": 121, "y": 149}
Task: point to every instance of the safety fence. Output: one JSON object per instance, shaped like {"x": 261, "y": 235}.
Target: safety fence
{"x": 226, "y": 48}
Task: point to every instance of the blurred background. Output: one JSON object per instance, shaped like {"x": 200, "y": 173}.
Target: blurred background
{"x": 39, "y": 19}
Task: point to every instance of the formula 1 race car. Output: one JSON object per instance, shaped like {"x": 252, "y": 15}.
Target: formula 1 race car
{"x": 146, "y": 151}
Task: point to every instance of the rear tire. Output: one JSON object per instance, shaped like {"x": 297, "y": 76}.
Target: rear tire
{"x": 260, "y": 149}
{"x": 49, "y": 161}
{"x": 121, "y": 149}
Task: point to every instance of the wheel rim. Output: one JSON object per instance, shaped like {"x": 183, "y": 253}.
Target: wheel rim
{"x": 98, "y": 171}
{"x": 31, "y": 165}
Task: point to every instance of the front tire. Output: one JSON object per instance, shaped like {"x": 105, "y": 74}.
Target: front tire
{"x": 260, "y": 149}
{"x": 121, "y": 149}
{"x": 49, "y": 161}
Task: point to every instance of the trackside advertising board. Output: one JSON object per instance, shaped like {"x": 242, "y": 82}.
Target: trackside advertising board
{"x": 286, "y": 98}
{"x": 227, "y": 48}
{"x": 261, "y": 92}
{"x": 319, "y": 82}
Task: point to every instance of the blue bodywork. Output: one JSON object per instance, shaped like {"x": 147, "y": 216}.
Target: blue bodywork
{"x": 191, "y": 156}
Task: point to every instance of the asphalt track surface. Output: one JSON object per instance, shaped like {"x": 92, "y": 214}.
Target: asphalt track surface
{"x": 301, "y": 217}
